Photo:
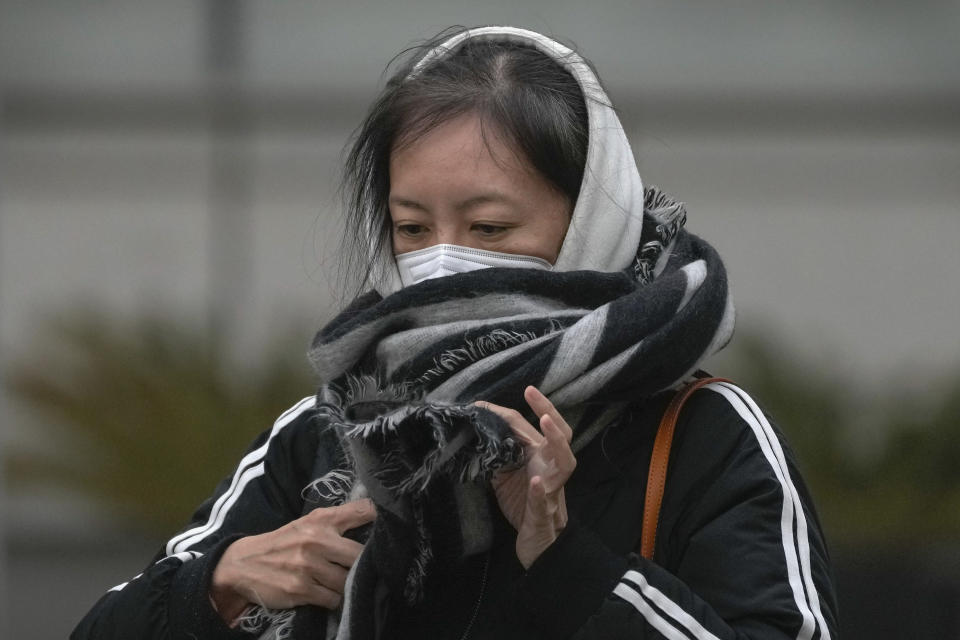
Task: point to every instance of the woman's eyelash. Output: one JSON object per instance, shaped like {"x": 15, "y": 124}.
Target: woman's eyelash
{"x": 488, "y": 228}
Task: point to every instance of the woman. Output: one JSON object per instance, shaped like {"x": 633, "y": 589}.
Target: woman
{"x": 475, "y": 460}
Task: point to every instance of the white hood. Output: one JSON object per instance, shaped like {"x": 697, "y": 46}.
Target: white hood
{"x": 604, "y": 231}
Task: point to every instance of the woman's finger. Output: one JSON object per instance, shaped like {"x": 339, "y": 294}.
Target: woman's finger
{"x": 321, "y": 596}
{"x": 542, "y": 406}
{"x": 557, "y": 448}
{"x": 518, "y": 424}
{"x": 538, "y": 506}
{"x": 561, "y": 519}
{"x": 320, "y": 533}
{"x": 350, "y": 515}
{"x": 329, "y": 575}
{"x": 342, "y": 551}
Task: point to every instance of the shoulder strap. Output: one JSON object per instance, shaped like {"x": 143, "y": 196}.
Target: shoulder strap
{"x": 659, "y": 459}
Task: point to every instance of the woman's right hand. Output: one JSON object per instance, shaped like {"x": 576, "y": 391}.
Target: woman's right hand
{"x": 303, "y": 562}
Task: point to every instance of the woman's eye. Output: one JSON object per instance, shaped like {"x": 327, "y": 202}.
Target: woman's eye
{"x": 410, "y": 230}
{"x": 488, "y": 229}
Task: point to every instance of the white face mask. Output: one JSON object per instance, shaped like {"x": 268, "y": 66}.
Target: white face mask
{"x": 446, "y": 259}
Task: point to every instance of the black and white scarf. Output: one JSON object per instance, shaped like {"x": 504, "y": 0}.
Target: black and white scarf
{"x": 399, "y": 374}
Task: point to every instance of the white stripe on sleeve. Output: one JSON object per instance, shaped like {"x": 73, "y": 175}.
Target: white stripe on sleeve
{"x": 652, "y": 617}
{"x": 669, "y": 607}
{"x": 241, "y": 478}
{"x": 786, "y": 515}
{"x": 120, "y": 587}
{"x": 802, "y": 550}
{"x": 182, "y": 557}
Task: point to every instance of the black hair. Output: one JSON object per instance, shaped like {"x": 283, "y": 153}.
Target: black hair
{"x": 520, "y": 93}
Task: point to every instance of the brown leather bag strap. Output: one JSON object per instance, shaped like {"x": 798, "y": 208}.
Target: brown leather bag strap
{"x": 659, "y": 459}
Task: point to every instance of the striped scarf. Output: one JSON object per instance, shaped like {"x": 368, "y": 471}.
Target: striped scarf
{"x": 399, "y": 374}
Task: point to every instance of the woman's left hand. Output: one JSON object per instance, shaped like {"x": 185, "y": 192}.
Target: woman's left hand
{"x": 531, "y": 497}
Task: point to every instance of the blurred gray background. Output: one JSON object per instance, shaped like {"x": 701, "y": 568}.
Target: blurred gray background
{"x": 179, "y": 160}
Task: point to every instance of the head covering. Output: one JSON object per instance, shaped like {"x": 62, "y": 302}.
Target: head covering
{"x": 607, "y": 219}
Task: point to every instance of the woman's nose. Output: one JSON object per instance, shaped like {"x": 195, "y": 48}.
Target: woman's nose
{"x": 450, "y": 235}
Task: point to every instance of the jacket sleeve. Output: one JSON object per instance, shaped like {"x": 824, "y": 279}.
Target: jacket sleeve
{"x": 170, "y": 598}
{"x": 738, "y": 532}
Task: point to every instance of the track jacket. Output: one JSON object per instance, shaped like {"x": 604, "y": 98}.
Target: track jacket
{"x": 739, "y": 551}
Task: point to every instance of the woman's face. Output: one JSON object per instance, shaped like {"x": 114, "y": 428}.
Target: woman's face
{"x": 451, "y": 186}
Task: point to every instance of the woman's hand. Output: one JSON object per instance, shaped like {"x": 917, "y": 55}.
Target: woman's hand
{"x": 303, "y": 562}
{"x": 532, "y": 497}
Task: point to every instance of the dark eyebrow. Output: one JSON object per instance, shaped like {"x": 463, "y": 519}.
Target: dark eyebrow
{"x": 484, "y": 198}
{"x": 473, "y": 201}
{"x": 404, "y": 202}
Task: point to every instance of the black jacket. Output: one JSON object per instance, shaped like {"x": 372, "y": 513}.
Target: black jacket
{"x": 739, "y": 553}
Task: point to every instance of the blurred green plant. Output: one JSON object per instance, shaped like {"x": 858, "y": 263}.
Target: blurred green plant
{"x": 145, "y": 415}
{"x": 148, "y": 415}
{"x": 884, "y": 470}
